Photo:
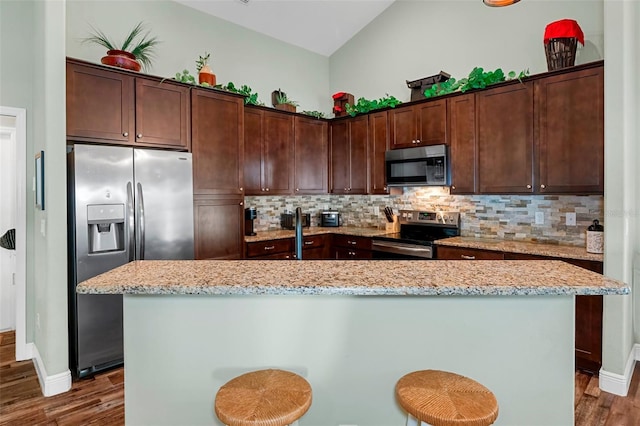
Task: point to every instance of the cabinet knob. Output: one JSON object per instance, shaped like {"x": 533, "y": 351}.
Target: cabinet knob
{"x": 241, "y": 203}
{"x": 308, "y": 243}
{"x": 241, "y": 189}
{"x": 385, "y": 188}
{"x": 542, "y": 186}
{"x": 125, "y": 134}
{"x": 345, "y": 189}
{"x": 262, "y": 189}
{"x": 528, "y": 186}
{"x": 348, "y": 189}
{"x": 418, "y": 141}
{"x": 297, "y": 189}
{"x": 139, "y": 135}
{"x": 453, "y": 187}
{"x": 413, "y": 141}
{"x": 267, "y": 189}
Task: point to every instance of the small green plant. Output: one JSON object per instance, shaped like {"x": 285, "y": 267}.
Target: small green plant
{"x": 143, "y": 49}
{"x": 251, "y": 98}
{"x": 477, "y": 79}
{"x": 202, "y": 61}
{"x": 363, "y": 106}
{"x": 281, "y": 98}
{"x": 316, "y": 114}
{"x": 185, "y": 77}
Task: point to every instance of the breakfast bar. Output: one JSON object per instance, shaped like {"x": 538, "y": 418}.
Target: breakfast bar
{"x": 351, "y": 329}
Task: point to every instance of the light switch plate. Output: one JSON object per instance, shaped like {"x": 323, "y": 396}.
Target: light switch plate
{"x": 539, "y": 218}
{"x": 571, "y": 219}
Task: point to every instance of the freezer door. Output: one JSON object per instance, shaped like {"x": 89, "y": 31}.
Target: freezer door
{"x": 164, "y": 204}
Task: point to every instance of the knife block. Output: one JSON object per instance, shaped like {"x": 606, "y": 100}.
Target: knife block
{"x": 393, "y": 226}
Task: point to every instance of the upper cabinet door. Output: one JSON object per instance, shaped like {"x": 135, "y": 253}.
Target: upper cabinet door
{"x": 311, "y": 156}
{"x": 462, "y": 138}
{"x": 432, "y": 122}
{"x": 253, "y": 136}
{"x": 358, "y": 143}
{"x": 570, "y": 110}
{"x": 340, "y": 157}
{"x": 217, "y": 144}
{"x": 162, "y": 114}
{"x": 378, "y": 144}
{"x": 402, "y": 125}
{"x": 504, "y": 120}
{"x": 277, "y": 150}
{"x": 100, "y": 105}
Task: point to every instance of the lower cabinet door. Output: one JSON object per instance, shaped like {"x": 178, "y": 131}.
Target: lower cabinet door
{"x": 351, "y": 253}
{"x": 218, "y": 227}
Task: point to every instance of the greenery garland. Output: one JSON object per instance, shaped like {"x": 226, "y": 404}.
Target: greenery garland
{"x": 477, "y": 79}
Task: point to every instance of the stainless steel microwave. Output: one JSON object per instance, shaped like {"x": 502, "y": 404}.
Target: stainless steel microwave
{"x": 419, "y": 166}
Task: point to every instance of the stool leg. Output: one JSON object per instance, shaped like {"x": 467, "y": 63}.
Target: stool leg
{"x": 412, "y": 421}
{"x": 294, "y": 423}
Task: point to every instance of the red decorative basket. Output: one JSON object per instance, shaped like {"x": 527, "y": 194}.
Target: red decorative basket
{"x": 560, "y": 43}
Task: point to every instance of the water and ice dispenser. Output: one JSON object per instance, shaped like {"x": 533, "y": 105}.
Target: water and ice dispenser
{"x": 106, "y": 227}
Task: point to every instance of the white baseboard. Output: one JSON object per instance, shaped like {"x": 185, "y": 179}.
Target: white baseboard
{"x": 24, "y": 351}
{"x": 618, "y": 384}
{"x": 50, "y": 385}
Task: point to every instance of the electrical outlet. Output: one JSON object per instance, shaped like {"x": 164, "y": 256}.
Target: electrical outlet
{"x": 539, "y": 218}
{"x": 571, "y": 219}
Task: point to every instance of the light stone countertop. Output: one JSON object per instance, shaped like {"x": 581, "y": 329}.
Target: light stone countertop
{"x": 348, "y": 277}
{"x": 540, "y": 249}
{"x": 315, "y": 230}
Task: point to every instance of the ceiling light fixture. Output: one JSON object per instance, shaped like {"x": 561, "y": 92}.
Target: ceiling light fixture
{"x": 499, "y": 3}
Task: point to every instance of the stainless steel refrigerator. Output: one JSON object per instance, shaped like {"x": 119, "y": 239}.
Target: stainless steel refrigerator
{"x": 124, "y": 204}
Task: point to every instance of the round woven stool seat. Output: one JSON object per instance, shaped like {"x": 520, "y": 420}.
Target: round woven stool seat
{"x": 263, "y": 398}
{"x": 441, "y": 398}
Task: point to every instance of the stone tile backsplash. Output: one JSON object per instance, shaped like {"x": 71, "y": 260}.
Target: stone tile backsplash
{"x": 509, "y": 217}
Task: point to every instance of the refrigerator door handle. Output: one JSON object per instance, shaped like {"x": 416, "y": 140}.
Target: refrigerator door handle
{"x": 140, "y": 227}
{"x": 130, "y": 222}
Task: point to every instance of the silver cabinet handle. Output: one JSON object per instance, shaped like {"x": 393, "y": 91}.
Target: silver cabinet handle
{"x": 528, "y": 186}
{"x": 269, "y": 247}
{"x": 468, "y": 257}
{"x": 125, "y": 134}
{"x": 308, "y": 243}
{"x": 542, "y": 186}
{"x": 352, "y": 242}
{"x": 139, "y": 135}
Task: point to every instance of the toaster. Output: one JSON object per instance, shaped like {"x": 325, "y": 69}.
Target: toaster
{"x": 330, "y": 218}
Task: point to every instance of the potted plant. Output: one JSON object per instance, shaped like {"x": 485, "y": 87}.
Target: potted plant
{"x": 134, "y": 53}
{"x": 282, "y": 102}
{"x": 205, "y": 75}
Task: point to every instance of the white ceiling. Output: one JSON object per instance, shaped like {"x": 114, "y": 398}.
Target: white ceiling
{"x": 321, "y": 26}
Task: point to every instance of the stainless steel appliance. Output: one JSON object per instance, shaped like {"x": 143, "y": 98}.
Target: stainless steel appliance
{"x": 419, "y": 166}
{"x": 330, "y": 219}
{"x": 288, "y": 220}
{"x": 250, "y": 214}
{"x": 418, "y": 231}
{"x": 123, "y": 204}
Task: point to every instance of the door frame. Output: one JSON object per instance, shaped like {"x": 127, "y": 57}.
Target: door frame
{"x": 23, "y": 350}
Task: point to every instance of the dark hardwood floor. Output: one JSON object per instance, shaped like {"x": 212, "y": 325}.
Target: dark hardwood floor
{"x": 100, "y": 400}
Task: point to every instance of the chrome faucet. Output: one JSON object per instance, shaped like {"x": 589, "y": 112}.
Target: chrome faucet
{"x": 298, "y": 238}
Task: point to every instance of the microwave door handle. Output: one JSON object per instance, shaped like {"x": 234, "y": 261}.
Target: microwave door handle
{"x": 130, "y": 222}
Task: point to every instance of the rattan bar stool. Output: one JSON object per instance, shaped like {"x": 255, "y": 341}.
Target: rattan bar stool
{"x": 440, "y": 398}
{"x": 263, "y": 398}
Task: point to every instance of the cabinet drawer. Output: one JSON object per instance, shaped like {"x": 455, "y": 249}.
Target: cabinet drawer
{"x": 276, "y": 256}
{"x": 460, "y": 253}
{"x": 362, "y": 243}
{"x": 349, "y": 253}
{"x": 265, "y": 248}
{"x": 313, "y": 241}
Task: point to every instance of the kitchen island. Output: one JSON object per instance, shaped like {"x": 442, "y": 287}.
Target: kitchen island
{"x": 352, "y": 329}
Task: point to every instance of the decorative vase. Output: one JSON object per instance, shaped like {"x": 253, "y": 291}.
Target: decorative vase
{"x": 121, "y": 59}
{"x": 206, "y": 76}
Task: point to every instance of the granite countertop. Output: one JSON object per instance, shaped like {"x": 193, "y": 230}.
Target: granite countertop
{"x": 315, "y": 230}
{"x": 349, "y": 277}
{"x": 540, "y": 249}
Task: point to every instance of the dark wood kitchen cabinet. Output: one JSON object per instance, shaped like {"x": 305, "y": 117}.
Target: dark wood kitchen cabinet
{"x": 314, "y": 247}
{"x": 110, "y": 106}
{"x": 570, "y": 111}
{"x": 505, "y": 132}
{"x": 417, "y": 125}
{"x": 218, "y": 227}
{"x": 464, "y": 253}
{"x": 268, "y": 147}
{"x": 218, "y": 143}
{"x": 378, "y": 144}
{"x": 217, "y": 152}
{"x": 349, "y": 139}
{"x": 351, "y": 247}
{"x": 462, "y": 140}
{"x": 311, "y": 156}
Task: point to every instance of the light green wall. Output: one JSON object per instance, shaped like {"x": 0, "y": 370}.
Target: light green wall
{"x": 237, "y": 54}
{"x": 17, "y": 64}
{"x": 415, "y": 39}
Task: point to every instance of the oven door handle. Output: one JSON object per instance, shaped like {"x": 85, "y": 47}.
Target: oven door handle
{"x": 378, "y": 244}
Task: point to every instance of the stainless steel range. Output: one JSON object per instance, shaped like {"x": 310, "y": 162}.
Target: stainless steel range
{"x": 418, "y": 231}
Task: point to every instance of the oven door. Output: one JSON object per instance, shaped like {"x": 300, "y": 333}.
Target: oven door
{"x": 400, "y": 251}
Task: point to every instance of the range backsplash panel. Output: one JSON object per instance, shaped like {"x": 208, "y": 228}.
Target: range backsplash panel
{"x": 509, "y": 217}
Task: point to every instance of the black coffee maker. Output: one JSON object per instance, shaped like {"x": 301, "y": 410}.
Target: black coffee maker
{"x": 250, "y": 213}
